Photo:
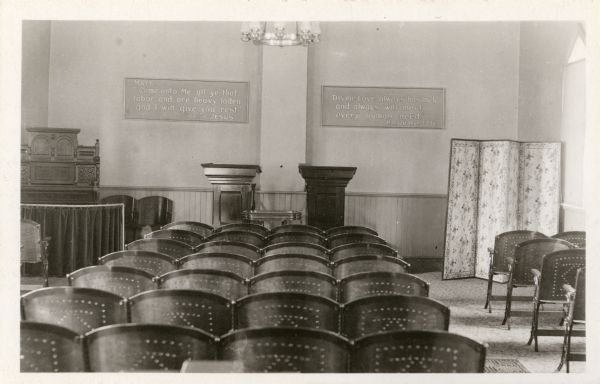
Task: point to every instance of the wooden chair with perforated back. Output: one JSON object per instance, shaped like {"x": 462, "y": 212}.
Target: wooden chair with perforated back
{"x": 297, "y": 237}
{"x": 222, "y": 283}
{"x": 286, "y": 349}
{"x": 173, "y": 248}
{"x": 352, "y": 238}
{"x": 78, "y": 309}
{"x": 129, "y": 204}
{"x": 34, "y": 248}
{"x": 194, "y": 226}
{"x": 503, "y": 251}
{"x": 370, "y": 263}
{"x": 154, "y": 263}
{"x": 381, "y": 313}
{"x": 151, "y": 213}
{"x": 286, "y": 309}
{"x": 575, "y": 318}
{"x": 558, "y": 268}
{"x": 314, "y": 283}
{"x": 190, "y": 238}
{"x": 417, "y": 351}
{"x": 576, "y": 238}
{"x": 50, "y": 348}
{"x": 292, "y": 262}
{"x": 350, "y": 229}
{"x": 296, "y": 248}
{"x": 247, "y": 237}
{"x": 146, "y": 347}
{"x": 189, "y": 308}
{"x": 235, "y": 247}
{"x": 365, "y": 284}
{"x": 122, "y": 281}
{"x": 297, "y": 228}
{"x": 528, "y": 255}
{"x": 245, "y": 227}
{"x": 361, "y": 249}
{"x": 228, "y": 262}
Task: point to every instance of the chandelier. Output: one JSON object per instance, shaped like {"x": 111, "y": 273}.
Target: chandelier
{"x": 281, "y": 33}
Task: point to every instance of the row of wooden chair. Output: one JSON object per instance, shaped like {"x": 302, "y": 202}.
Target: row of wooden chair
{"x": 85, "y": 309}
{"x": 151, "y": 347}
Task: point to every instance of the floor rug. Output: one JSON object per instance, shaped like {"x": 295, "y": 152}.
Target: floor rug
{"x": 504, "y": 366}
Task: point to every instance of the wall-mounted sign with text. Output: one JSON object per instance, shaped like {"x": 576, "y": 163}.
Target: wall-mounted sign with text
{"x": 383, "y": 107}
{"x": 186, "y": 100}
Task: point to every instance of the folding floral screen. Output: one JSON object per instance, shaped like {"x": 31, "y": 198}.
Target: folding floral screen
{"x": 493, "y": 187}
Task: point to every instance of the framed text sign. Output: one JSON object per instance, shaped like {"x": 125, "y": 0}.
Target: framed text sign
{"x": 186, "y": 100}
{"x": 383, "y": 107}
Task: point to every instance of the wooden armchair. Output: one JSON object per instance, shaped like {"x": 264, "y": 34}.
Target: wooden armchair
{"x": 34, "y": 248}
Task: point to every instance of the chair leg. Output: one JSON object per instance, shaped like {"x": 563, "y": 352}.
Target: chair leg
{"x": 564, "y": 350}
{"x": 533, "y": 323}
{"x": 488, "y": 302}
{"x": 569, "y": 347}
{"x": 507, "y": 309}
{"x": 535, "y": 330}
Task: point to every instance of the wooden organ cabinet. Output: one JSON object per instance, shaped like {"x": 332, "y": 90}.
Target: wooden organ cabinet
{"x": 55, "y": 169}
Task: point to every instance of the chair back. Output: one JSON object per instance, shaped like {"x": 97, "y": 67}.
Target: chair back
{"x": 560, "y": 268}
{"x": 286, "y": 349}
{"x": 297, "y": 237}
{"x": 361, "y": 249}
{"x": 154, "y": 211}
{"x": 504, "y": 246}
{"x": 286, "y": 309}
{"x": 226, "y": 284}
{"x": 578, "y": 313}
{"x": 128, "y": 203}
{"x": 229, "y": 262}
{"x": 376, "y": 314}
{"x": 296, "y": 247}
{"x": 350, "y": 229}
{"x": 193, "y": 226}
{"x": 247, "y": 237}
{"x": 50, "y": 348}
{"x": 188, "y": 237}
{"x": 528, "y": 256}
{"x": 381, "y": 283}
{"x": 246, "y": 227}
{"x": 417, "y": 352}
{"x": 154, "y": 263}
{"x": 189, "y": 308}
{"x": 314, "y": 283}
{"x": 350, "y": 238}
{"x": 122, "y": 281}
{"x": 292, "y": 262}
{"x": 31, "y": 246}
{"x": 250, "y": 251}
{"x": 146, "y": 347}
{"x": 576, "y": 238}
{"x": 356, "y": 264}
{"x": 297, "y": 228}
{"x": 78, "y": 309}
{"x": 173, "y": 248}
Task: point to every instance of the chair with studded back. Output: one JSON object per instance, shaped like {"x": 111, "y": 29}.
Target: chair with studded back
{"x": 361, "y": 249}
{"x": 122, "y": 281}
{"x": 376, "y": 314}
{"x": 286, "y": 309}
{"x": 357, "y": 264}
{"x": 78, "y": 309}
{"x": 50, "y": 348}
{"x": 154, "y": 263}
{"x": 292, "y": 262}
{"x": 151, "y": 213}
{"x": 222, "y": 283}
{"x": 173, "y": 248}
{"x": 297, "y": 228}
{"x": 286, "y": 349}
{"x": 314, "y": 283}
{"x": 351, "y": 238}
{"x": 350, "y": 229}
{"x": 34, "y": 249}
{"x": 129, "y": 204}
{"x": 417, "y": 352}
{"x": 575, "y": 318}
{"x": 504, "y": 248}
{"x": 528, "y": 256}
{"x": 228, "y": 262}
{"x": 247, "y": 237}
{"x": 296, "y": 247}
{"x": 189, "y": 308}
{"x": 250, "y": 251}
{"x": 576, "y": 238}
{"x": 297, "y": 237}
{"x": 188, "y": 237}
{"x": 193, "y": 226}
{"x": 247, "y": 227}
{"x": 365, "y": 284}
{"x": 558, "y": 268}
{"x": 146, "y": 347}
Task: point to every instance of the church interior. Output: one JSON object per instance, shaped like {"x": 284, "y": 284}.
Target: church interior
{"x": 334, "y": 196}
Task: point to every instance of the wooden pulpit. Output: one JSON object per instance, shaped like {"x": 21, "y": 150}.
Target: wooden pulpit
{"x": 325, "y": 194}
{"x": 232, "y": 190}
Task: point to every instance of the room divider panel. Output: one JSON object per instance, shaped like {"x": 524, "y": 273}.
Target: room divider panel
{"x": 493, "y": 187}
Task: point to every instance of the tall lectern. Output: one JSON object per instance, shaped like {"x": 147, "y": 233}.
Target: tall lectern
{"x": 232, "y": 190}
{"x": 325, "y": 194}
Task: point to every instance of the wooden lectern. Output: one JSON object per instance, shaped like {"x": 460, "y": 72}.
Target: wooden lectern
{"x": 325, "y": 194}
{"x": 232, "y": 190}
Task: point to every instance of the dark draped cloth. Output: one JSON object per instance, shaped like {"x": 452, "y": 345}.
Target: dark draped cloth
{"x": 79, "y": 234}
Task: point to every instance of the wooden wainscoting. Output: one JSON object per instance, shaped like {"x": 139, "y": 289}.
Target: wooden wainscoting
{"x": 572, "y": 218}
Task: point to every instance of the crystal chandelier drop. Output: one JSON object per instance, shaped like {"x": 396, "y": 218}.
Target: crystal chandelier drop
{"x": 281, "y": 33}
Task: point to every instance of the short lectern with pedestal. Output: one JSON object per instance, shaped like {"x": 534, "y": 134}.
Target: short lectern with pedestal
{"x": 232, "y": 190}
{"x": 325, "y": 194}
